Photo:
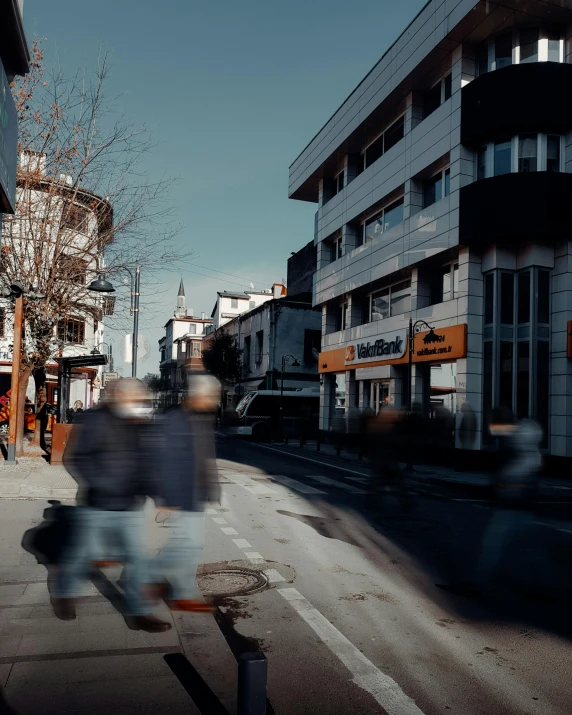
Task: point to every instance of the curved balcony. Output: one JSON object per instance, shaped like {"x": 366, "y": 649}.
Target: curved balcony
{"x": 515, "y": 208}
{"x": 535, "y": 97}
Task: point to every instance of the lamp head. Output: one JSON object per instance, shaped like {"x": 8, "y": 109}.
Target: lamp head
{"x": 101, "y": 286}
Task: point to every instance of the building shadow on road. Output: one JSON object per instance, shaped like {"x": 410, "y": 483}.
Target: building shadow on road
{"x": 440, "y": 540}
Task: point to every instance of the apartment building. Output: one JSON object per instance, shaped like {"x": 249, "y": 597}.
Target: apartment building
{"x": 231, "y": 304}
{"x": 442, "y": 184}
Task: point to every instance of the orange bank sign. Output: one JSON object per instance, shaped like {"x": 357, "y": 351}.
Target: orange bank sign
{"x": 438, "y": 345}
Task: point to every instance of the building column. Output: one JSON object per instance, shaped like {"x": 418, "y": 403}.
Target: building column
{"x": 470, "y": 369}
{"x": 350, "y": 234}
{"x": 352, "y": 398}
{"x": 327, "y": 398}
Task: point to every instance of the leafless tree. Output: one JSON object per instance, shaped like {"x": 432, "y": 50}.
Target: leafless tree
{"x": 84, "y": 206}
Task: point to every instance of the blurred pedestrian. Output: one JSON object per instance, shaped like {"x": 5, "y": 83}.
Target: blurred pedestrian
{"x": 386, "y": 435}
{"x": 467, "y": 427}
{"x": 187, "y": 480}
{"x": 108, "y": 457}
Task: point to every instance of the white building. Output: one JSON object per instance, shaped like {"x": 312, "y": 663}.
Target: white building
{"x": 181, "y": 347}
{"x": 78, "y": 225}
{"x": 230, "y": 304}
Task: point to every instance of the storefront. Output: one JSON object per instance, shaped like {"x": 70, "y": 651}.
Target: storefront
{"x": 375, "y": 374}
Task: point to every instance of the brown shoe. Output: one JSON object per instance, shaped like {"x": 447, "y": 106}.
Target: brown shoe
{"x": 64, "y": 609}
{"x": 190, "y": 604}
{"x": 152, "y": 624}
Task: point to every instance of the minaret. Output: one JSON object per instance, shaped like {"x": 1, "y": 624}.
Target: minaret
{"x": 181, "y": 310}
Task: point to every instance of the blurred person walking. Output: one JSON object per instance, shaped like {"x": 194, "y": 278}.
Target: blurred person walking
{"x": 109, "y": 459}
{"x": 386, "y": 442}
{"x": 187, "y": 481}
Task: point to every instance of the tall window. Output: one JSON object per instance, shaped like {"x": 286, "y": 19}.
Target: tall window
{"x": 437, "y": 187}
{"x": 554, "y": 42}
{"x": 246, "y": 352}
{"x": 394, "y": 133}
{"x": 553, "y": 153}
{"x": 72, "y": 269}
{"x": 196, "y": 349}
{"x": 342, "y": 316}
{"x": 527, "y": 152}
{"x": 445, "y": 285}
{"x": 516, "y": 335}
{"x": 259, "y": 346}
{"x": 528, "y": 44}
{"x": 394, "y": 300}
{"x": 503, "y": 50}
{"x": 234, "y": 302}
{"x": 503, "y": 157}
{"x": 71, "y": 330}
{"x": 193, "y": 329}
{"x": 482, "y": 163}
{"x": 2, "y": 322}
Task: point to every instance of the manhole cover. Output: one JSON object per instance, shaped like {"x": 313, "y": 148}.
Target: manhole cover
{"x": 231, "y": 582}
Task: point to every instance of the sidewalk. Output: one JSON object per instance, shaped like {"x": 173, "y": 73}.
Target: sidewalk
{"x": 97, "y": 664}
{"x": 34, "y": 478}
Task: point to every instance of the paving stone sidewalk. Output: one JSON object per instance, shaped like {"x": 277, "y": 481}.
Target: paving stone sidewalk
{"x": 33, "y": 478}
{"x": 96, "y": 664}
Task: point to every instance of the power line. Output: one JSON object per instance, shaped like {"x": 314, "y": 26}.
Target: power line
{"x": 222, "y": 272}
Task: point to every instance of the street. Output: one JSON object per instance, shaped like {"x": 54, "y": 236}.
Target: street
{"x": 351, "y": 619}
{"x": 358, "y": 624}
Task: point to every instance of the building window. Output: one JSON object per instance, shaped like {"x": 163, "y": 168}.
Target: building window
{"x": 439, "y": 93}
{"x": 259, "y": 346}
{"x": 2, "y": 322}
{"x": 71, "y": 330}
{"x": 312, "y": 345}
{"x": 75, "y": 217}
{"x": 339, "y": 181}
{"x": 447, "y": 87}
{"x": 342, "y": 316}
{"x": 503, "y": 157}
{"x": 503, "y": 50}
{"x": 234, "y": 302}
{"x": 437, "y": 187}
{"x": 389, "y": 217}
{"x": 521, "y": 46}
{"x": 389, "y": 138}
{"x": 72, "y": 269}
{"x": 445, "y": 284}
{"x": 528, "y": 45}
{"x": 192, "y": 329}
{"x": 196, "y": 349}
{"x": 246, "y": 352}
{"x": 527, "y": 152}
{"x": 517, "y": 333}
{"x": 394, "y": 300}
{"x": 337, "y": 249}
{"x": 535, "y": 152}
{"x": 553, "y": 153}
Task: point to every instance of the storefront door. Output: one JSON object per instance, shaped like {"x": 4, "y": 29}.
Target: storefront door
{"x": 379, "y": 396}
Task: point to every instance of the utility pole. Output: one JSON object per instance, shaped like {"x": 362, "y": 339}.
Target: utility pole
{"x": 135, "y": 312}
{"x": 15, "y": 381}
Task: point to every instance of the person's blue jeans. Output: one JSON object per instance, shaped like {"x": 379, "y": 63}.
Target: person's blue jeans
{"x": 504, "y": 525}
{"x": 91, "y": 529}
{"x": 178, "y": 560}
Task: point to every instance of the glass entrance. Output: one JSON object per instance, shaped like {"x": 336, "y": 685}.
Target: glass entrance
{"x": 379, "y": 395}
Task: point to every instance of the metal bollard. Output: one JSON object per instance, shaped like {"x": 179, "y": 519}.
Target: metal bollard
{"x": 252, "y": 672}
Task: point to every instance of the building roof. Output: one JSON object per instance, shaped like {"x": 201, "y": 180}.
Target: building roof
{"x": 181, "y": 289}
{"x": 188, "y": 319}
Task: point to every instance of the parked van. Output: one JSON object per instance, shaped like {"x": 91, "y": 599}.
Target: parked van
{"x": 258, "y": 413}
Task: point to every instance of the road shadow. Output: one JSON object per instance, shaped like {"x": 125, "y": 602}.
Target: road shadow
{"x": 441, "y": 539}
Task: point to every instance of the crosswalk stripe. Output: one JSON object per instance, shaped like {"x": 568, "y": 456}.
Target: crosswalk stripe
{"x": 245, "y": 482}
{"x": 297, "y": 486}
{"x": 335, "y": 483}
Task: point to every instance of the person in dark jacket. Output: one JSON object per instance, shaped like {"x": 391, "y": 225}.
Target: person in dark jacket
{"x": 187, "y": 481}
{"x": 107, "y": 457}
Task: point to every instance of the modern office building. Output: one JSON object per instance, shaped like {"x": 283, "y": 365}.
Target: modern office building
{"x": 443, "y": 185}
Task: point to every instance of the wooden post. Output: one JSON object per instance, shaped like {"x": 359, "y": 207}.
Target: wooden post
{"x": 15, "y": 382}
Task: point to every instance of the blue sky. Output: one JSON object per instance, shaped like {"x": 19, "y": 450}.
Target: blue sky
{"x": 232, "y": 91}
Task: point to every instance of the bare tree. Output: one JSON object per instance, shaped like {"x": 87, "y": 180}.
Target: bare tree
{"x": 84, "y": 206}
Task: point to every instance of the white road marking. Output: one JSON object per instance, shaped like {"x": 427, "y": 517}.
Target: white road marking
{"x": 297, "y": 486}
{"x": 219, "y": 520}
{"x": 244, "y": 481}
{"x": 228, "y": 530}
{"x": 210, "y": 510}
{"x": 315, "y": 461}
{"x": 242, "y": 543}
{"x": 339, "y": 485}
{"x": 255, "y": 556}
{"x": 365, "y": 674}
{"x": 273, "y": 576}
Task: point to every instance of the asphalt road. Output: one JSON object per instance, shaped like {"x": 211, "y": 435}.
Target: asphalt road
{"x": 354, "y": 621}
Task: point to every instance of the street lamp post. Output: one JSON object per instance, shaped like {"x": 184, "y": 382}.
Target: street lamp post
{"x": 295, "y": 363}
{"x": 15, "y": 378}
{"x": 414, "y": 328}
{"x": 95, "y": 351}
{"x": 101, "y": 285}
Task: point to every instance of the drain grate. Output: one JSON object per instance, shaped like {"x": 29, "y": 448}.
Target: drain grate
{"x": 231, "y": 582}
